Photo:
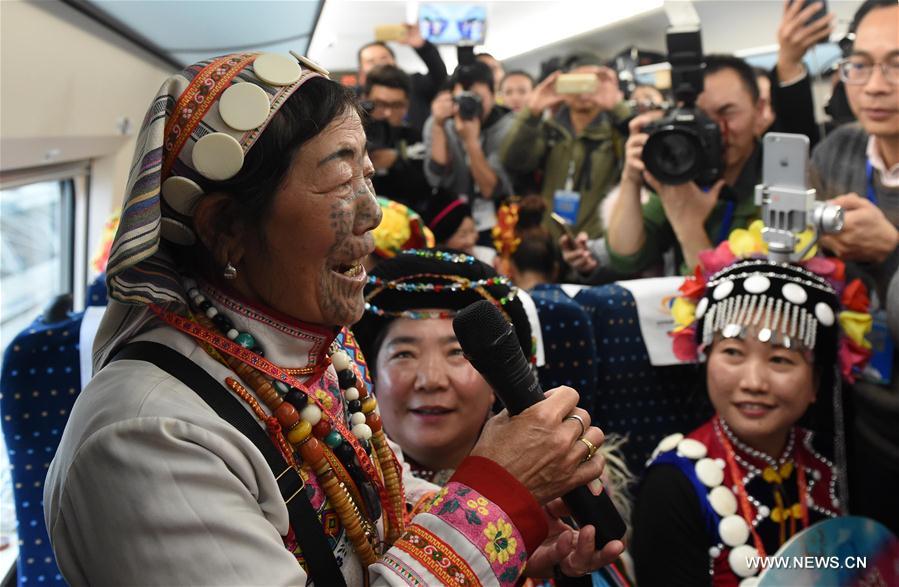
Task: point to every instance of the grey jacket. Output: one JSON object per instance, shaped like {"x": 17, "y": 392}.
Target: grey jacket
{"x": 456, "y": 177}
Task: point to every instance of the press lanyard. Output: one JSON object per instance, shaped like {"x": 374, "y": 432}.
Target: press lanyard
{"x": 869, "y": 181}
{"x": 569, "y": 181}
{"x": 726, "y": 222}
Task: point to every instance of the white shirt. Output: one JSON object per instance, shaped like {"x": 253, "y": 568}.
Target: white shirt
{"x": 888, "y": 177}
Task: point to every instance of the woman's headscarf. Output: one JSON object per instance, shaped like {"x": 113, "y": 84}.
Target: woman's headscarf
{"x": 197, "y": 131}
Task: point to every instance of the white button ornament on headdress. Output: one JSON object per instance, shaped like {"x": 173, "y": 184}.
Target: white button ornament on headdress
{"x": 824, "y": 314}
{"x": 756, "y": 284}
{"x": 723, "y": 289}
{"x": 218, "y": 156}
{"x": 276, "y": 69}
{"x": 244, "y": 106}
{"x": 182, "y": 194}
{"x": 701, "y": 307}
{"x": 794, "y": 293}
{"x": 176, "y": 232}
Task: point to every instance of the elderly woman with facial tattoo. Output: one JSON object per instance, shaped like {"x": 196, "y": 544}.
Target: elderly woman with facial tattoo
{"x": 226, "y": 438}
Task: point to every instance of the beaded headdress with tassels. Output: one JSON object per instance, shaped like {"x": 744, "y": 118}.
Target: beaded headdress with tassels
{"x": 736, "y": 291}
{"x": 806, "y": 306}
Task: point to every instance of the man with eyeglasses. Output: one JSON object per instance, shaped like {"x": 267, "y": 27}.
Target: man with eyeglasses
{"x": 858, "y": 164}
{"x": 395, "y": 147}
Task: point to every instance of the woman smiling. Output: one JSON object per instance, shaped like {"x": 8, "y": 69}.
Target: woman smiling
{"x": 226, "y": 439}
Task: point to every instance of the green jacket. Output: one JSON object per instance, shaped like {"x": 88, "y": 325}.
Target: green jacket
{"x": 549, "y": 145}
{"x": 660, "y": 235}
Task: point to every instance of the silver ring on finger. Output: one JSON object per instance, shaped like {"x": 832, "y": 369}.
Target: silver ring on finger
{"x": 579, "y": 421}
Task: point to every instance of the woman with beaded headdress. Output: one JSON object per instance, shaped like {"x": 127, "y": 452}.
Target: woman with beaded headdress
{"x": 226, "y": 439}
{"x": 433, "y": 402}
{"x": 774, "y": 340}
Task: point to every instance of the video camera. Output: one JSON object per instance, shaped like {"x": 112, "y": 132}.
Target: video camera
{"x": 684, "y": 145}
{"x": 377, "y": 132}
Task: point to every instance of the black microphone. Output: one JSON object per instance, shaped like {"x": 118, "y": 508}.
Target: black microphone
{"x": 493, "y": 349}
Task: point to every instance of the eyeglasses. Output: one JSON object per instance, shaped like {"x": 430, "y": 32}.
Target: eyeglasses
{"x": 857, "y": 71}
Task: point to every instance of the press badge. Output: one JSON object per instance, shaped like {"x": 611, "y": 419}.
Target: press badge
{"x": 880, "y": 366}
{"x": 567, "y": 204}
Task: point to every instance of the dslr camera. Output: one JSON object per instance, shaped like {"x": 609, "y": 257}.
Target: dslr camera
{"x": 685, "y": 144}
{"x": 470, "y": 105}
{"x": 377, "y": 132}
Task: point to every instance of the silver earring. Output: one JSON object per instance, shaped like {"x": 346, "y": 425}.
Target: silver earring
{"x": 230, "y": 271}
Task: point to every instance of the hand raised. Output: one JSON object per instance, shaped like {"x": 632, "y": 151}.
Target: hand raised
{"x": 544, "y": 95}
{"x": 542, "y": 450}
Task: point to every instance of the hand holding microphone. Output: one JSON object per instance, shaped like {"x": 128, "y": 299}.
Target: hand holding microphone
{"x": 547, "y": 451}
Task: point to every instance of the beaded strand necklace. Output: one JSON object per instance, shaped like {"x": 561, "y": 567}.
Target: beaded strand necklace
{"x": 353, "y": 482}
{"x": 743, "y": 494}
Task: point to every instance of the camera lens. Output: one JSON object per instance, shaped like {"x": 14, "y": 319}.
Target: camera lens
{"x": 675, "y": 155}
{"x": 671, "y": 156}
{"x": 827, "y": 218}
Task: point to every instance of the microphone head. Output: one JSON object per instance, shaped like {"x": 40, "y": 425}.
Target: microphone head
{"x": 478, "y": 327}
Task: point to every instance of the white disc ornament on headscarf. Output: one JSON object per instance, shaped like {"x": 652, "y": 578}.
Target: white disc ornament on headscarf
{"x": 310, "y": 64}
{"x": 276, "y": 69}
{"x": 176, "y": 232}
{"x": 218, "y": 156}
{"x": 182, "y": 194}
{"x": 244, "y": 106}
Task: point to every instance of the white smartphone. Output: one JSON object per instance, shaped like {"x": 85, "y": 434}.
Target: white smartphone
{"x": 785, "y": 160}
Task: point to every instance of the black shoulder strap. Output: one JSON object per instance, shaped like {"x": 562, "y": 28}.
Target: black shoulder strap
{"x": 317, "y": 552}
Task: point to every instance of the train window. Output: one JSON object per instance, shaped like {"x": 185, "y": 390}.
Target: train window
{"x": 36, "y": 228}
{"x": 36, "y": 265}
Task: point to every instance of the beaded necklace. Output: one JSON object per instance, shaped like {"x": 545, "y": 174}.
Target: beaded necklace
{"x": 353, "y": 482}
{"x": 743, "y": 495}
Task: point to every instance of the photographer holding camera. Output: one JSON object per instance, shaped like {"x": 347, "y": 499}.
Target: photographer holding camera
{"x": 702, "y": 165}
{"x": 463, "y": 138}
{"x": 395, "y": 148}
{"x": 423, "y": 86}
{"x": 579, "y": 149}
